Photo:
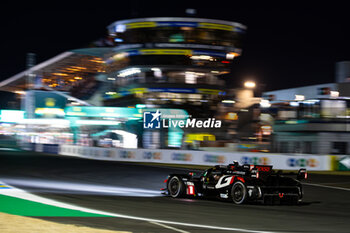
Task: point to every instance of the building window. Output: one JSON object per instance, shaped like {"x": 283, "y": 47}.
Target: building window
{"x": 284, "y": 147}
{"x": 297, "y": 147}
{"x": 339, "y": 148}
{"x": 190, "y": 78}
{"x": 307, "y": 147}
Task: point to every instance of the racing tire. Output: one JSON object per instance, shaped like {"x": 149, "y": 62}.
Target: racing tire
{"x": 239, "y": 193}
{"x": 176, "y": 187}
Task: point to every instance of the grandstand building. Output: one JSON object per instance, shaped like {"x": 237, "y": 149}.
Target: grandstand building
{"x": 172, "y": 63}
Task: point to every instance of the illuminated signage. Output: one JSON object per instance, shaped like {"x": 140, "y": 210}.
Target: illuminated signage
{"x": 89, "y": 111}
{"x": 11, "y": 115}
{"x": 148, "y": 24}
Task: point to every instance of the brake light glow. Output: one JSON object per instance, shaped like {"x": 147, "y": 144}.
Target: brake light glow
{"x": 166, "y": 180}
{"x": 305, "y": 175}
{"x": 257, "y": 175}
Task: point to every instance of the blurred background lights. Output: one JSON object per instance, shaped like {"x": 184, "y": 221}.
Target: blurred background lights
{"x": 128, "y": 72}
{"x": 265, "y": 103}
{"x": 228, "y": 101}
{"x": 299, "y": 97}
{"x": 120, "y": 28}
{"x": 230, "y": 56}
{"x": 334, "y": 94}
{"x": 249, "y": 84}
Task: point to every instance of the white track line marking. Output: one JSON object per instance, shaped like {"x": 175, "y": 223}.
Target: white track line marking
{"x": 327, "y": 186}
{"x": 8, "y": 149}
{"x": 74, "y": 187}
{"x": 18, "y": 193}
{"x": 169, "y": 227}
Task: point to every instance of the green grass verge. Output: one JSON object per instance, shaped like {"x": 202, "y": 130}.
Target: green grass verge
{"x": 17, "y": 206}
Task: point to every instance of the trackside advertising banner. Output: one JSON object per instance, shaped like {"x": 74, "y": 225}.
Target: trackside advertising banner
{"x": 284, "y": 162}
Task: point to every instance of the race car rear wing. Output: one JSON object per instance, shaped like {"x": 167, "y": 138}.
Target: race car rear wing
{"x": 260, "y": 168}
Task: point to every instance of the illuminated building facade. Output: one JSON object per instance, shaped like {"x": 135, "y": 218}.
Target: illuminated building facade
{"x": 152, "y": 61}
{"x": 171, "y": 62}
{"x": 312, "y": 119}
{"x": 148, "y": 63}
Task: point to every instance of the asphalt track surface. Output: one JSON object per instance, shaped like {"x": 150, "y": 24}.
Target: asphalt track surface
{"x": 133, "y": 190}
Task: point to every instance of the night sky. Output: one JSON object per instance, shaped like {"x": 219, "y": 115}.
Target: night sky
{"x": 286, "y": 45}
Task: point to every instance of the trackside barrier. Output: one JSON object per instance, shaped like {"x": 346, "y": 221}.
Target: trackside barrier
{"x": 38, "y": 147}
{"x": 27, "y": 146}
{"x": 341, "y": 162}
{"x": 283, "y": 162}
{"x": 47, "y": 148}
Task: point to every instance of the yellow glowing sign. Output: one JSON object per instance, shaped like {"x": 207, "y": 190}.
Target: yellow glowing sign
{"x": 199, "y": 137}
{"x": 165, "y": 51}
{"x": 138, "y": 90}
{"x": 50, "y": 102}
{"x": 60, "y": 74}
{"x": 216, "y": 26}
{"x": 231, "y": 116}
{"x": 141, "y": 25}
{"x": 200, "y": 25}
{"x": 51, "y": 111}
{"x": 208, "y": 91}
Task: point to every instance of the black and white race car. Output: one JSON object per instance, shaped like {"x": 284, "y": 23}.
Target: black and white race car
{"x": 239, "y": 183}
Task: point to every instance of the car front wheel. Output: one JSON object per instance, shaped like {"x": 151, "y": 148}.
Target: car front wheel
{"x": 239, "y": 193}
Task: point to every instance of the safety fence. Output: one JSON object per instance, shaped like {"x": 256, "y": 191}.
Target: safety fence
{"x": 284, "y": 162}
{"x": 193, "y": 157}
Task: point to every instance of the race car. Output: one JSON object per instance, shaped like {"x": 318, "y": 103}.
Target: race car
{"x": 239, "y": 183}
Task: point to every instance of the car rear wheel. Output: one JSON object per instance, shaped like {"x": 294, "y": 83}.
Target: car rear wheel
{"x": 176, "y": 187}
{"x": 239, "y": 193}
